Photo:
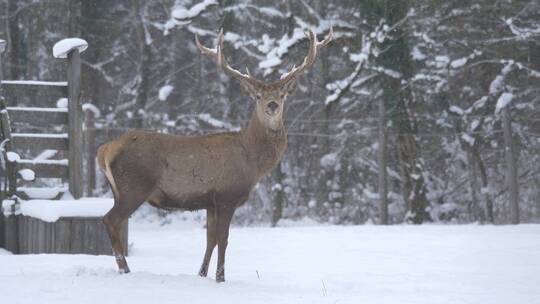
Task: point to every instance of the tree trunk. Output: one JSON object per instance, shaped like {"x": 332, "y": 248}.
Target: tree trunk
{"x": 511, "y": 166}
{"x": 144, "y": 63}
{"x": 413, "y": 187}
{"x": 483, "y": 177}
{"x": 383, "y": 187}
{"x": 13, "y": 41}
{"x": 279, "y": 197}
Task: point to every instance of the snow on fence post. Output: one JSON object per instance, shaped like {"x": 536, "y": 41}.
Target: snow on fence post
{"x": 71, "y": 49}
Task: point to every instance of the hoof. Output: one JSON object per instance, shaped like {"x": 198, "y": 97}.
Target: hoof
{"x": 123, "y": 270}
{"x": 203, "y": 273}
{"x": 220, "y": 275}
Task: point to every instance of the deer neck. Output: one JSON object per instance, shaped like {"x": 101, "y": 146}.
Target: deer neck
{"x": 264, "y": 145}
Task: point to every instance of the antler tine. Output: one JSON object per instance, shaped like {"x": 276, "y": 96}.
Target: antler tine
{"x": 203, "y": 49}
{"x": 327, "y": 38}
{"x": 222, "y": 62}
{"x": 314, "y": 46}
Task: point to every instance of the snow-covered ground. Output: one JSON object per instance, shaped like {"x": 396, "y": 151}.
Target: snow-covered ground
{"x": 314, "y": 264}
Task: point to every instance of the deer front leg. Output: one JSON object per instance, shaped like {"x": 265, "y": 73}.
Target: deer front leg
{"x": 210, "y": 240}
{"x": 224, "y": 216}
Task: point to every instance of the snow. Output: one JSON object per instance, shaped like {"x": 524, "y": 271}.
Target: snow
{"x": 496, "y": 85}
{"x": 7, "y": 207}
{"x": 64, "y": 46}
{"x": 90, "y": 107}
{"x": 27, "y": 174}
{"x": 36, "y": 109}
{"x": 459, "y": 62}
{"x": 165, "y": 91}
{"x": 12, "y": 156}
{"x": 321, "y": 264}
{"x": 63, "y": 162}
{"x": 41, "y": 135}
{"x": 52, "y": 210}
{"x": 468, "y": 139}
{"x": 213, "y": 121}
{"x": 457, "y": 110}
{"x": 34, "y": 82}
{"x": 503, "y": 101}
{"x": 329, "y": 160}
{"x": 62, "y": 102}
{"x": 46, "y": 154}
{"x": 181, "y": 12}
{"x": 42, "y": 193}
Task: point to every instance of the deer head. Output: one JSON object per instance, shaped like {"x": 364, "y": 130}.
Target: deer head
{"x": 269, "y": 98}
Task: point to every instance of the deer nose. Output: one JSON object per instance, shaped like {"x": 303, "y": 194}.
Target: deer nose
{"x": 273, "y": 106}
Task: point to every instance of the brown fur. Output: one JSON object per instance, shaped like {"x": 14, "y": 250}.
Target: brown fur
{"x": 215, "y": 172}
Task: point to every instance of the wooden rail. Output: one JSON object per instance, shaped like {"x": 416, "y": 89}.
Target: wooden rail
{"x": 39, "y": 116}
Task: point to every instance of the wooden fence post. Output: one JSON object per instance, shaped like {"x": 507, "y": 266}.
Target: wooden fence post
{"x": 2, "y": 224}
{"x": 75, "y": 124}
{"x": 511, "y": 166}
{"x": 90, "y": 143}
{"x": 2, "y": 48}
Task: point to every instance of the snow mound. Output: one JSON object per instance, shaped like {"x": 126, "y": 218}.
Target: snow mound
{"x": 62, "y": 102}
{"x": 62, "y": 48}
{"x": 12, "y": 156}
{"x": 51, "y": 211}
{"x": 42, "y": 193}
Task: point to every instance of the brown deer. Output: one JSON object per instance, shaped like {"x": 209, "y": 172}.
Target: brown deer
{"x": 215, "y": 172}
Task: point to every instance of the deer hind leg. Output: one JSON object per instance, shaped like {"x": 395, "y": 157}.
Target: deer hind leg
{"x": 113, "y": 221}
{"x": 210, "y": 240}
{"x": 224, "y": 216}
{"x": 125, "y": 203}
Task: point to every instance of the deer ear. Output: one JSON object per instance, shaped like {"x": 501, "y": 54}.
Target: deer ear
{"x": 288, "y": 88}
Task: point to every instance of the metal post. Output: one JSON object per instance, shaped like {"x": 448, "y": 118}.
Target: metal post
{"x": 75, "y": 125}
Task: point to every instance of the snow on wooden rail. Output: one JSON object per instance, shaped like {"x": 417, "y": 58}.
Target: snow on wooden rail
{"x": 36, "y": 83}
{"x": 37, "y": 109}
{"x": 40, "y": 135}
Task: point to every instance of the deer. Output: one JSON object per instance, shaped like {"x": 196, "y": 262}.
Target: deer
{"x": 213, "y": 172}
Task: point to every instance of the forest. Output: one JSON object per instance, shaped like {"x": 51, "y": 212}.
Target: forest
{"x": 418, "y": 111}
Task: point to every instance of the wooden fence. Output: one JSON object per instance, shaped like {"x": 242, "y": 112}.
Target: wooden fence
{"x": 69, "y": 119}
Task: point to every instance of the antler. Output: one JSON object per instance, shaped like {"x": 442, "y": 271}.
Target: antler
{"x": 314, "y": 46}
{"x": 218, "y": 52}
